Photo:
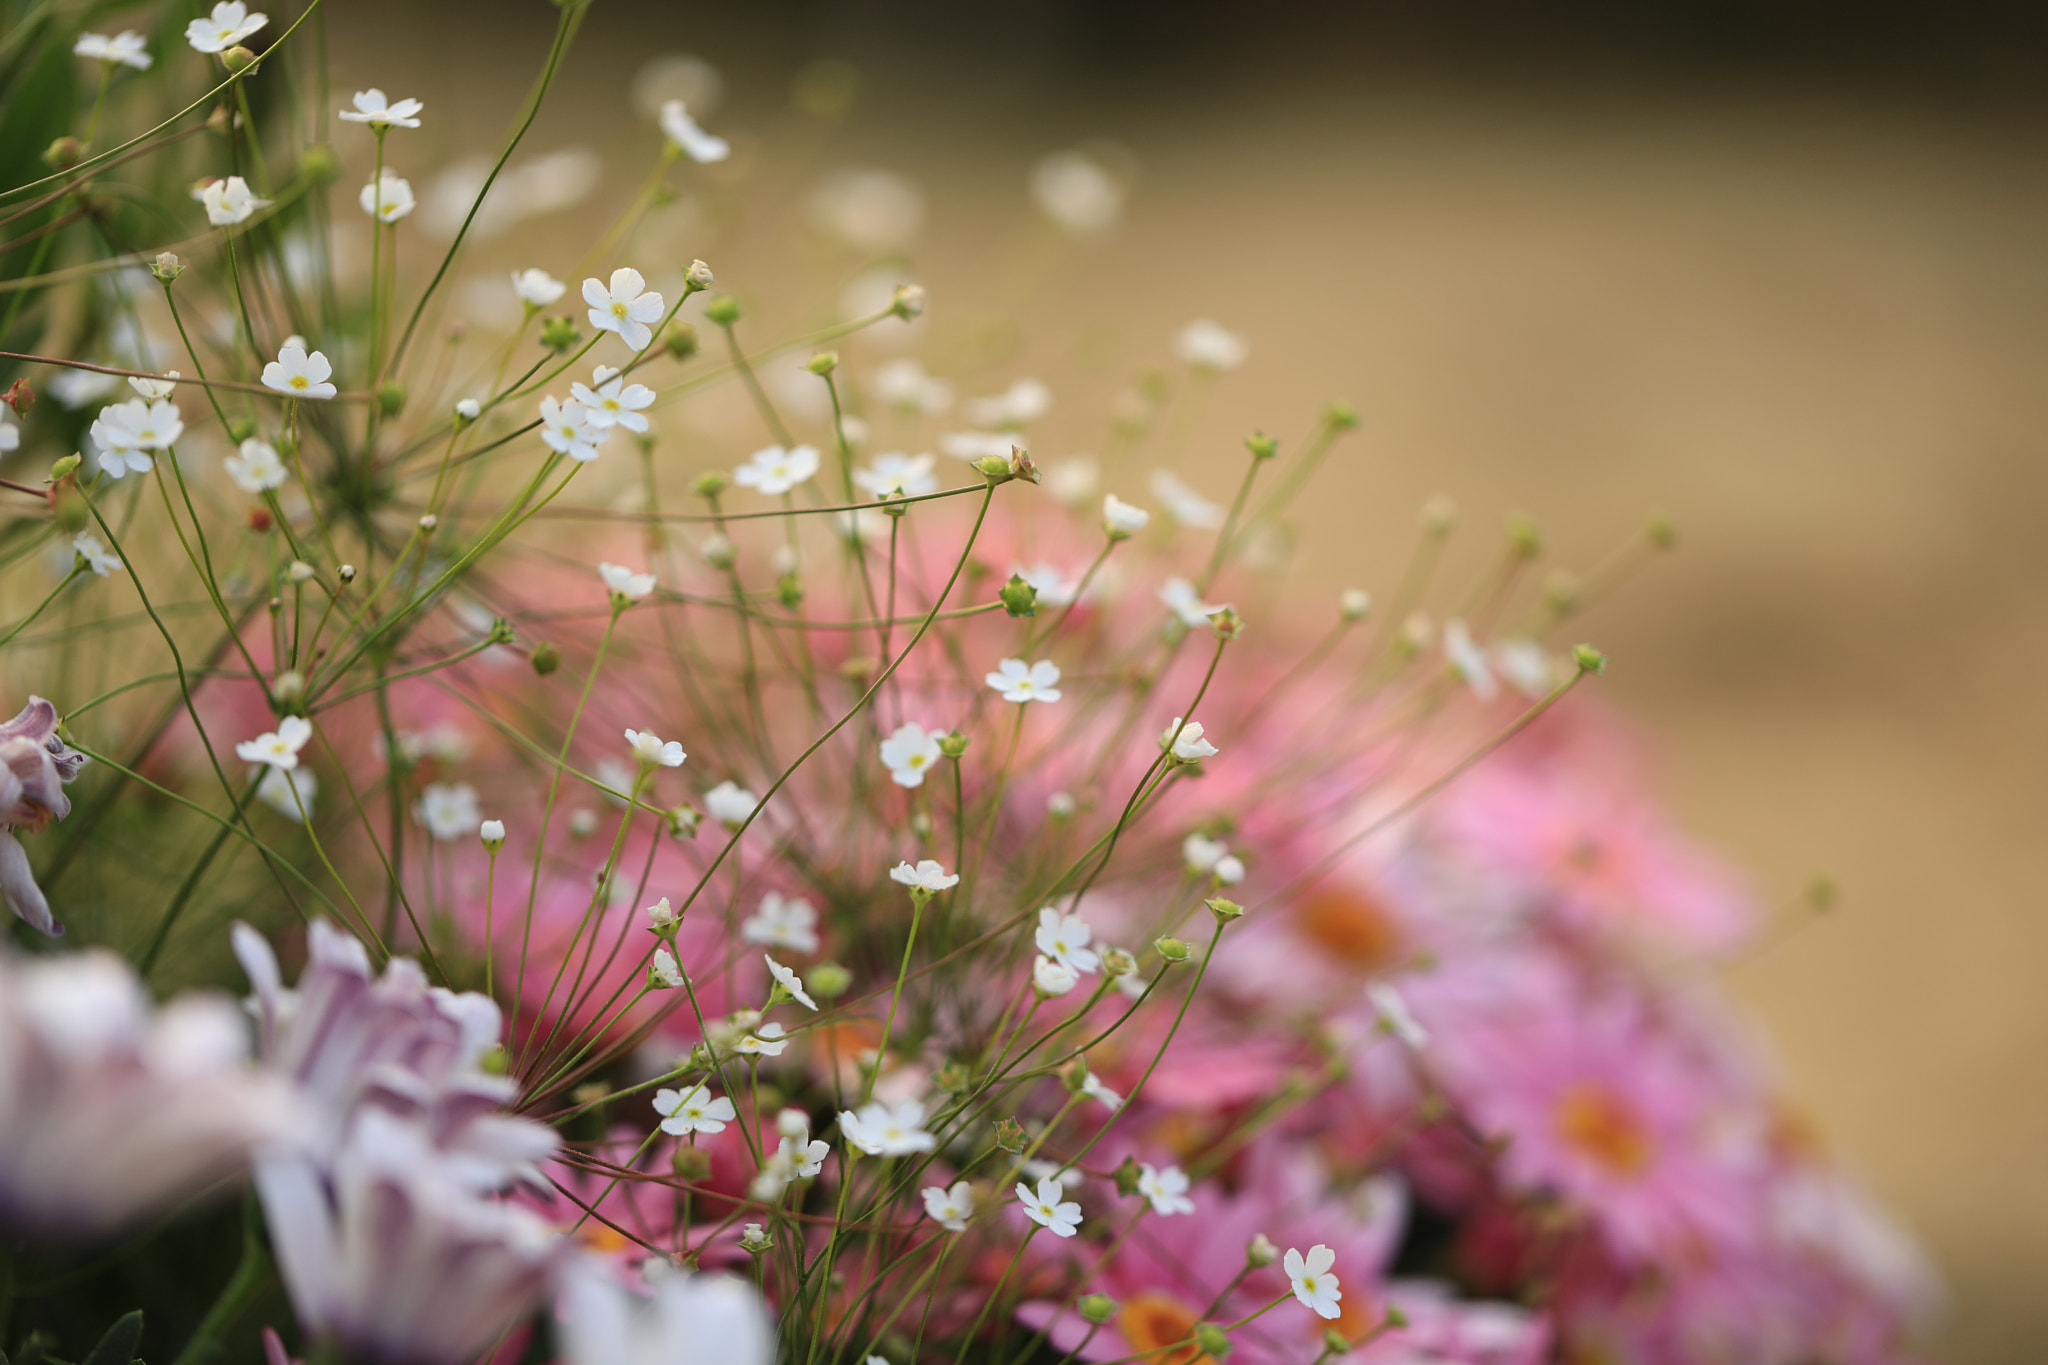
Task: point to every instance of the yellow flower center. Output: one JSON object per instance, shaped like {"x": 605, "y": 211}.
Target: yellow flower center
{"x": 298, "y": 381}
{"x": 1153, "y": 1321}
{"x": 1596, "y": 1123}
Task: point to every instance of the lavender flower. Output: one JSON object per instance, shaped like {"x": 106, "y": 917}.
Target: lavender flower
{"x": 34, "y": 766}
{"x": 689, "y": 1319}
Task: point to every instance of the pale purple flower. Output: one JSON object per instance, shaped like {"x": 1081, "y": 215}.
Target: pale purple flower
{"x": 34, "y": 766}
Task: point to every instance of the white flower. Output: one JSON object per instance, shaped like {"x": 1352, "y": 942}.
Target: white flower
{"x": 1061, "y": 805}
{"x": 1185, "y": 603}
{"x": 1120, "y": 518}
{"x": 663, "y": 973}
{"x": 1073, "y": 482}
{"x": 123, "y": 49}
{"x": 693, "y": 1111}
{"x": 910, "y": 753}
{"x": 1077, "y": 192}
{"x": 97, "y": 557}
{"x": 1065, "y": 939}
{"x": 492, "y": 832}
{"x": 1185, "y": 742}
{"x": 928, "y": 875}
{"x": 1094, "y": 1089}
{"x": 468, "y": 409}
{"x": 1045, "y": 1207}
{"x": 1054, "y": 588}
{"x": 256, "y": 468}
{"x": 1468, "y": 660}
{"x": 897, "y": 475}
{"x": 297, "y": 373}
{"x": 1229, "y": 870}
{"x": 611, "y": 401}
{"x": 137, "y": 425}
{"x": 698, "y": 145}
{"x": 949, "y": 1208}
{"x": 280, "y": 747}
{"x": 1020, "y": 684}
{"x": 372, "y": 109}
{"x": 388, "y": 198}
{"x": 624, "y": 307}
{"x": 1527, "y": 665}
{"x": 1051, "y": 978}
{"x": 879, "y": 1130}
{"x": 789, "y": 981}
{"x": 1202, "y": 853}
{"x": 1167, "y": 1190}
{"x": 783, "y": 922}
{"x": 75, "y": 388}
{"x": 903, "y": 384}
{"x": 1187, "y": 507}
{"x": 688, "y": 1319}
{"x": 229, "y": 201}
{"x": 1395, "y": 1016}
{"x": 730, "y": 804}
{"x": 869, "y": 209}
{"x": 651, "y": 751}
{"x": 977, "y": 445}
{"x": 623, "y": 582}
{"x": 764, "y": 1040}
{"x": 229, "y": 23}
{"x": 806, "y": 1155}
{"x": 1313, "y": 1283}
{"x": 1207, "y": 346}
{"x": 774, "y": 470}
{"x": 567, "y": 429}
{"x": 153, "y": 389}
{"x": 447, "y": 809}
{"x": 290, "y": 794}
{"x": 1023, "y": 403}
{"x": 536, "y": 288}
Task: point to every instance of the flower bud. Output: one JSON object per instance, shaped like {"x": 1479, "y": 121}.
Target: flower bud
{"x": 259, "y": 517}
{"x": 829, "y": 980}
{"x": 1395, "y": 1318}
{"x": 952, "y": 1078}
{"x": 299, "y": 571}
{"x": 723, "y": 310}
{"x": 1096, "y": 1308}
{"x": 1127, "y": 1175}
{"x": 346, "y": 573}
{"x": 662, "y": 972}
{"x": 1524, "y": 537}
{"x": 908, "y": 301}
{"x": 755, "y": 1241}
{"x": 1224, "y": 910}
{"x": 994, "y": 468}
{"x": 1061, "y": 805}
{"x": 690, "y": 1163}
{"x": 319, "y": 163}
{"x": 1075, "y": 1075}
{"x": 1661, "y": 532}
{"x": 428, "y": 523}
{"x": 683, "y": 821}
{"x": 1438, "y": 516}
{"x": 1018, "y": 597}
{"x": 953, "y": 744}
{"x": 680, "y": 341}
{"x": 583, "y": 823}
{"x": 467, "y": 410}
{"x": 64, "y": 153}
{"x": 1213, "y": 1342}
{"x": 1227, "y": 624}
{"x": 1335, "y": 1343}
{"x": 789, "y": 590}
{"x": 238, "y": 58}
{"x": 1172, "y": 949}
{"x": 710, "y": 483}
{"x": 1589, "y": 659}
{"x": 1341, "y": 415}
{"x": 492, "y": 832}
{"x": 390, "y": 397}
{"x": 662, "y": 916}
{"x": 1010, "y": 1135}
{"x": 1262, "y": 446}
{"x": 546, "y": 658}
{"x": 495, "y": 1061}
{"x": 559, "y": 335}
{"x": 1354, "y": 604}
{"x": 1260, "y": 1251}
{"x": 166, "y": 267}
{"x": 288, "y": 688}
{"x": 823, "y": 363}
{"x": 697, "y": 278}
{"x": 1561, "y": 591}
{"x": 1117, "y": 962}
{"x": 717, "y": 551}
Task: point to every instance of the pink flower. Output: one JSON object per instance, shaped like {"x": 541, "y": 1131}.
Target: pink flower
{"x": 34, "y": 766}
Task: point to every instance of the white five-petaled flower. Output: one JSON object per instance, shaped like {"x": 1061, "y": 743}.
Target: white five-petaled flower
{"x": 910, "y": 753}
{"x": 1185, "y": 603}
{"x": 372, "y": 108}
{"x": 280, "y": 747}
{"x": 125, "y": 48}
{"x": 774, "y": 470}
{"x": 783, "y": 922}
{"x": 1065, "y": 938}
{"x": 153, "y": 389}
{"x": 1045, "y": 1207}
{"x": 1527, "y": 665}
{"x": 1166, "y": 1190}
{"x": 1051, "y": 978}
{"x": 663, "y": 972}
{"x": 652, "y": 752}
{"x": 611, "y": 401}
{"x": 1094, "y": 1089}
{"x": 693, "y": 1111}
{"x": 229, "y": 201}
{"x": 1020, "y": 682}
{"x": 949, "y": 1208}
{"x": 1185, "y": 742}
{"x": 1209, "y": 346}
{"x": 229, "y": 23}
{"x": 125, "y": 433}
{"x": 1077, "y": 192}
{"x": 1023, "y": 403}
{"x": 298, "y": 373}
{"x": 678, "y": 127}
{"x": 928, "y": 875}
{"x": 256, "y": 467}
{"x": 904, "y": 384}
{"x": 1051, "y": 583}
{"x": 1468, "y": 660}
{"x": 1201, "y": 853}
{"x": 625, "y": 306}
{"x": 1395, "y": 1016}
{"x": 448, "y": 810}
{"x": 567, "y": 429}
{"x": 388, "y": 198}
{"x": 730, "y": 804}
{"x": 623, "y": 582}
{"x": 789, "y": 981}
{"x": 536, "y": 288}
{"x": 290, "y": 794}
{"x": 1313, "y": 1282}
{"x": 880, "y": 1130}
{"x": 763, "y": 1040}
{"x": 97, "y": 557}
{"x": 1121, "y": 519}
{"x": 1187, "y": 507}
{"x": 894, "y": 474}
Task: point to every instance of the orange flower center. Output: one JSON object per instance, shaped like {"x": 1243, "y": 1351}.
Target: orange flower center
{"x": 1152, "y": 1321}
{"x": 1353, "y": 926}
{"x": 1597, "y": 1124}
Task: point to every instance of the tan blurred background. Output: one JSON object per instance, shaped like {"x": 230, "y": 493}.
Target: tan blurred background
{"x": 1780, "y": 274}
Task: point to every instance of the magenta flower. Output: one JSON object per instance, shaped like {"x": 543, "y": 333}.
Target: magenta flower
{"x": 34, "y": 766}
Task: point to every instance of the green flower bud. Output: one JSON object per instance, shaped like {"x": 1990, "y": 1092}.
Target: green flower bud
{"x": 1335, "y": 1342}
{"x": 1262, "y": 446}
{"x": 64, "y": 153}
{"x": 1341, "y": 415}
{"x": 710, "y": 483}
{"x": 1096, "y": 1308}
{"x": 1224, "y": 910}
{"x": 680, "y": 341}
{"x": 559, "y": 335}
{"x": 1172, "y": 949}
{"x": 390, "y": 397}
{"x": 824, "y": 362}
{"x": 1661, "y": 532}
{"x": 546, "y": 658}
{"x": 1213, "y": 1342}
{"x": 1127, "y": 1176}
{"x": 319, "y": 163}
{"x": 1010, "y": 1135}
{"x": 1260, "y": 1251}
{"x": 1589, "y": 659}
{"x": 953, "y": 744}
{"x": 683, "y": 821}
{"x": 238, "y": 58}
{"x": 66, "y": 467}
{"x": 1018, "y": 597}
{"x": 1524, "y": 538}
{"x": 908, "y": 301}
{"x": 494, "y": 1062}
{"x": 829, "y": 981}
{"x": 723, "y": 310}
{"x": 789, "y": 590}
{"x": 690, "y": 1163}
{"x": 72, "y": 515}
{"x": 166, "y": 267}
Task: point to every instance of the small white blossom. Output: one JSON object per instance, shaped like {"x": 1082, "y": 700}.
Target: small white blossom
{"x": 611, "y": 401}
{"x": 568, "y": 430}
{"x": 468, "y": 409}
{"x": 1526, "y": 665}
{"x": 1061, "y": 805}
{"x": 651, "y": 751}
{"x": 880, "y": 1130}
{"x": 1208, "y": 346}
{"x": 1312, "y": 1280}
{"x": 1395, "y": 1016}
{"x": 682, "y": 130}
{"x": 97, "y": 557}
{"x": 255, "y": 467}
{"x": 1166, "y": 1190}
{"x": 693, "y": 1111}
{"x": 623, "y": 582}
{"x": 910, "y": 753}
{"x": 1120, "y": 518}
{"x": 625, "y": 306}
{"x": 1468, "y": 660}
{"x": 774, "y": 470}
{"x": 73, "y": 389}
{"x": 372, "y": 108}
{"x": 280, "y": 747}
{"x": 1045, "y": 1207}
{"x": 1054, "y": 588}
{"x": 153, "y": 389}
{"x": 949, "y": 1208}
{"x": 1020, "y": 683}
{"x": 536, "y": 288}
{"x": 228, "y": 25}
{"x": 904, "y": 385}
{"x": 289, "y": 793}
{"x": 1187, "y": 507}
{"x": 1095, "y": 1090}
{"x": 1202, "y": 853}
{"x": 447, "y": 810}
{"x": 1185, "y": 742}
{"x": 229, "y": 201}
{"x": 730, "y": 804}
{"x": 492, "y": 832}
{"x": 977, "y": 445}
{"x": 663, "y": 972}
{"x": 789, "y": 981}
{"x": 1185, "y": 603}
{"x": 1229, "y": 870}
{"x": 1073, "y": 482}
{"x": 1052, "y": 978}
{"x": 388, "y": 198}
{"x": 928, "y": 875}
{"x": 763, "y": 1040}
{"x": 1077, "y": 192}
{"x": 783, "y": 922}
{"x": 1023, "y": 403}
{"x": 1065, "y": 939}
{"x": 894, "y": 474}
{"x": 298, "y": 373}
{"x": 137, "y": 426}
{"x": 125, "y": 48}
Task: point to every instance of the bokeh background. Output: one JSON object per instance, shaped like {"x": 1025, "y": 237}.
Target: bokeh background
{"x": 1778, "y": 270}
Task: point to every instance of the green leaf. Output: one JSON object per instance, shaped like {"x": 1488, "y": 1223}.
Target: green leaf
{"x": 117, "y": 1347}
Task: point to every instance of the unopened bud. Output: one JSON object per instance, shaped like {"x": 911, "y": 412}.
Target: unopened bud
{"x": 690, "y": 1163}
{"x": 697, "y": 278}
{"x": 1260, "y": 1251}
{"x": 1096, "y": 1308}
{"x": 1224, "y": 910}
{"x": 238, "y": 58}
{"x": 1589, "y": 659}
{"x": 789, "y": 590}
{"x": 467, "y": 410}
{"x": 1061, "y": 805}
{"x": 1341, "y": 415}
{"x": 710, "y": 483}
{"x": 755, "y": 1241}
{"x": 66, "y": 467}
{"x": 683, "y": 821}
{"x": 1172, "y": 949}
{"x": 1212, "y": 1340}
{"x": 1018, "y": 597}
{"x": 1010, "y": 1135}
{"x": 662, "y": 915}
{"x": 288, "y": 689}
{"x": 492, "y": 832}
{"x": 390, "y": 397}
{"x": 319, "y": 163}
{"x": 166, "y": 267}
{"x": 994, "y": 468}
{"x": 829, "y": 981}
{"x": 299, "y": 571}
{"x": 1354, "y": 604}
{"x": 1438, "y": 516}
{"x": 908, "y": 301}
{"x": 824, "y": 362}
{"x": 346, "y": 573}
{"x": 1335, "y": 1343}
{"x": 64, "y": 153}
{"x": 546, "y": 658}
{"x": 1561, "y": 592}
{"x": 428, "y": 523}
{"x": 1524, "y": 537}
{"x": 1395, "y": 1317}
{"x": 953, "y": 744}
{"x": 1117, "y": 962}
{"x": 1127, "y": 1175}
{"x": 494, "y": 1061}
{"x": 680, "y": 341}
{"x": 1262, "y": 446}
{"x": 1661, "y": 532}
{"x": 724, "y": 310}
{"x": 1227, "y": 624}
{"x": 559, "y": 335}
